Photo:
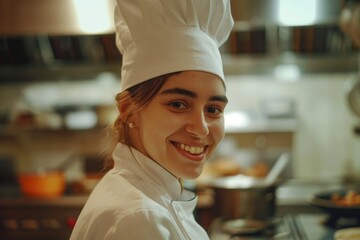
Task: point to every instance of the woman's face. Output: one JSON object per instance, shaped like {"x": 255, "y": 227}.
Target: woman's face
{"x": 183, "y": 124}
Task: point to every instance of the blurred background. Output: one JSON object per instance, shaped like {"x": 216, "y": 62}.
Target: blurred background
{"x": 288, "y": 77}
{"x": 292, "y": 70}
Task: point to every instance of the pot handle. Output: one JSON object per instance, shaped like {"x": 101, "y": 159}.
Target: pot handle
{"x": 277, "y": 168}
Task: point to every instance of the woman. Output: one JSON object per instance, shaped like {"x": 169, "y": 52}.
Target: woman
{"x": 171, "y": 119}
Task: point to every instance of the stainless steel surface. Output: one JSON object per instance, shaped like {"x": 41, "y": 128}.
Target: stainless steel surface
{"x": 30, "y": 17}
{"x": 294, "y": 227}
{"x": 266, "y": 65}
{"x": 51, "y": 17}
{"x": 244, "y": 197}
{"x": 65, "y": 16}
{"x": 293, "y": 196}
{"x": 260, "y": 12}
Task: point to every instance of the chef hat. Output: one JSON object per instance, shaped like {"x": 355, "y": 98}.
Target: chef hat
{"x": 157, "y": 37}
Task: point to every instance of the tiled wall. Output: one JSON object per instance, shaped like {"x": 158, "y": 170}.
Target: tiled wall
{"x": 324, "y": 144}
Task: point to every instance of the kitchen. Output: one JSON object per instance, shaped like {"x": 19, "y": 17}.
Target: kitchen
{"x": 284, "y": 97}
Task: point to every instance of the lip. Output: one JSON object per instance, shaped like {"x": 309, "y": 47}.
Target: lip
{"x": 188, "y": 155}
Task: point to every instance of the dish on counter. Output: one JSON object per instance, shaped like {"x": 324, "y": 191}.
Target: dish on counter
{"x": 351, "y": 198}
{"x": 325, "y": 201}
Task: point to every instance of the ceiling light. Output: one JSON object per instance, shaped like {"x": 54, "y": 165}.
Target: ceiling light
{"x": 297, "y": 12}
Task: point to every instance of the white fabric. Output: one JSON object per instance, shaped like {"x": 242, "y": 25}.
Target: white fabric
{"x": 157, "y": 37}
{"x": 138, "y": 199}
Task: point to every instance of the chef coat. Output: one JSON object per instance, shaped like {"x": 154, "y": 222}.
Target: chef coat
{"x": 138, "y": 199}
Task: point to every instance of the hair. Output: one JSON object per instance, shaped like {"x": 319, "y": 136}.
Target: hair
{"x": 130, "y": 102}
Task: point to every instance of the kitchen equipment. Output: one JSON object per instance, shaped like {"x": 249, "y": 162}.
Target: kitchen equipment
{"x": 338, "y": 216}
{"x": 299, "y": 226}
{"x": 244, "y": 197}
{"x": 38, "y": 218}
{"x": 247, "y": 197}
{"x": 56, "y": 17}
{"x": 45, "y": 184}
{"x": 295, "y": 218}
{"x": 323, "y": 200}
{"x": 277, "y": 169}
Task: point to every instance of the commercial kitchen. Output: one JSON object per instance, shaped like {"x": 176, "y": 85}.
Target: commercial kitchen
{"x": 292, "y": 72}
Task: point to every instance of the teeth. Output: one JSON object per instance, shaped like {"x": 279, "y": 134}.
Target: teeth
{"x": 191, "y": 149}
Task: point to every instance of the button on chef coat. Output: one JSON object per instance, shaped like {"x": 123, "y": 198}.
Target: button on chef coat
{"x": 138, "y": 199}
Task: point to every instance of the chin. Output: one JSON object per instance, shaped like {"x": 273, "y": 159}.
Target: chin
{"x": 192, "y": 175}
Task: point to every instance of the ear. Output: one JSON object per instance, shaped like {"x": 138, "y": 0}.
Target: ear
{"x": 123, "y": 112}
{"x": 135, "y": 118}
{"x": 126, "y": 117}
{"x": 122, "y": 108}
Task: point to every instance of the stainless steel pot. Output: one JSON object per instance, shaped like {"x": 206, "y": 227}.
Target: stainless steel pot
{"x": 244, "y": 197}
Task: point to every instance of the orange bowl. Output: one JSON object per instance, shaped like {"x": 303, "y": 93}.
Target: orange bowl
{"x": 42, "y": 185}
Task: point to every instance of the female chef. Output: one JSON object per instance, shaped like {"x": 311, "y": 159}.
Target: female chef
{"x": 171, "y": 107}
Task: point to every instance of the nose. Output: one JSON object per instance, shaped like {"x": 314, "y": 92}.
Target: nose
{"x": 197, "y": 125}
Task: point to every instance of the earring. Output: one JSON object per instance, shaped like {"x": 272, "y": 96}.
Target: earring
{"x": 131, "y": 125}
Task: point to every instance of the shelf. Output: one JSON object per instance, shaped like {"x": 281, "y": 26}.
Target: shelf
{"x": 30, "y": 73}
{"x": 305, "y": 63}
{"x": 27, "y": 58}
{"x": 12, "y": 131}
{"x": 317, "y": 48}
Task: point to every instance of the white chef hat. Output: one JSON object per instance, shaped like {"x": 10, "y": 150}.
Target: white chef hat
{"x": 157, "y": 37}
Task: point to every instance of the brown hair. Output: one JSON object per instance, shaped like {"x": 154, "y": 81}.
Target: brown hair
{"x": 129, "y": 102}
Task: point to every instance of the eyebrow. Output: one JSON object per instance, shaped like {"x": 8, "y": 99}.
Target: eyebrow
{"x": 185, "y": 92}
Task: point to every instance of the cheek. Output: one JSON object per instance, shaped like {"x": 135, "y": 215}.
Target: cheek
{"x": 155, "y": 128}
{"x": 218, "y": 131}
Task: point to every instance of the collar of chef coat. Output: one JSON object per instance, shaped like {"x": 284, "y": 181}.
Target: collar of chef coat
{"x": 124, "y": 155}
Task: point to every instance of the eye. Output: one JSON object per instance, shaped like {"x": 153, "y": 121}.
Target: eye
{"x": 214, "y": 110}
{"x": 178, "y": 105}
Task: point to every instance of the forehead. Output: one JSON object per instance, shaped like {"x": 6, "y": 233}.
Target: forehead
{"x": 197, "y": 81}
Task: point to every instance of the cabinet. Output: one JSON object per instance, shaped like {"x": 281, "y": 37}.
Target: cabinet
{"x": 250, "y": 49}
{"x": 31, "y": 58}
{"x": 63, "y": 64}
{"x": 261, "y": 49}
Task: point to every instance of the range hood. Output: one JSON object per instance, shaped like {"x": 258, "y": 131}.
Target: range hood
{"x": 285, "y": 12}
{"x": 72, "y": 17}
{"x": 56, "y": 17}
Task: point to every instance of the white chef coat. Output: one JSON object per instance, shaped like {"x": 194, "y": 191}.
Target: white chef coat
{"x": 138, "y": 199}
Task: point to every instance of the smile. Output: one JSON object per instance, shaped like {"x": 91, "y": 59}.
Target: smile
{"x": 189, "y": 148}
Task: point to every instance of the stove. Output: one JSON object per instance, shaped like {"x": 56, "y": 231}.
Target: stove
{"x": 288, "y": 227}
{"x": 295, "y": 218}
{"x": 40, "y": 219}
